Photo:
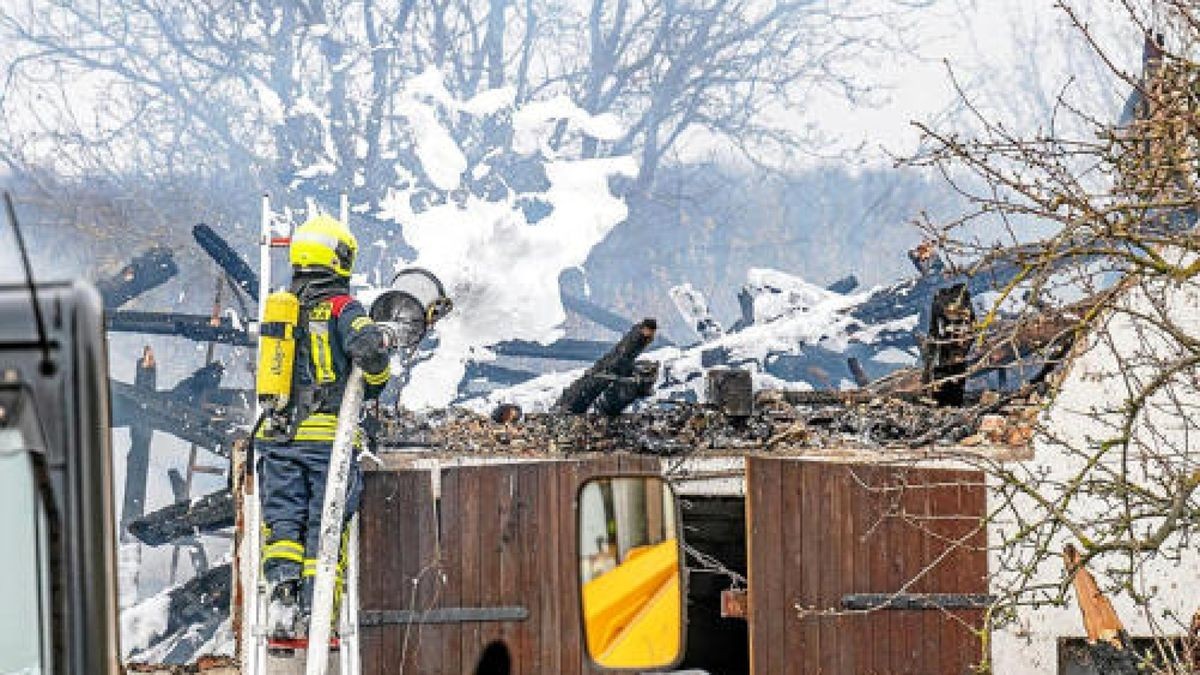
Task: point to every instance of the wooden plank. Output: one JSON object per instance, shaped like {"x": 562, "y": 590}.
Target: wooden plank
{"x": 469, "y": 562}
{"x": 474, "y": 507}
{"x": 549, "y": 604}
{"x": 815, "y": 495}
{"x": 397, "y": 507}
{"x": 973, "y": 569}
{"x": 527, "y": 573}
{"x": 845, "y": 520}
{"x": 448, "y": 639}
{"x": 574, "y": 657}
{"x": 861, "y": 478}
{"x": 403, "y": 533}
{"x": 946, "y": 526}
{"x": 765, "y": 564}
{"x": 378, "y": 578}
{"x": 426, "y": 575}
{"x": 910, "y": 560}
{"x": 929, "y": 528}
{"x": 883, "y": 578}
{"x": 497, "y": 493}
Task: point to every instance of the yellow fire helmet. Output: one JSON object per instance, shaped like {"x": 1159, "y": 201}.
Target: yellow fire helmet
{"x": 324, "y": 242}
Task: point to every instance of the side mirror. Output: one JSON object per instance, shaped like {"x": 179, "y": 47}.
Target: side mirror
{"x": 631, "y": 573}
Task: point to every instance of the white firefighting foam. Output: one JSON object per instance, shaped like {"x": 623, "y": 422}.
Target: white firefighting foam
{"x": 501, "y": 270}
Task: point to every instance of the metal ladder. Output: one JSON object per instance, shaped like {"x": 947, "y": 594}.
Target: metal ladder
{"x": 252, "y": 639}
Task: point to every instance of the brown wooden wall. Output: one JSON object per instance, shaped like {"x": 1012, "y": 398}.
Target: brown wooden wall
{"x": 506, "y": 539}
{"x": 819, "y": 530}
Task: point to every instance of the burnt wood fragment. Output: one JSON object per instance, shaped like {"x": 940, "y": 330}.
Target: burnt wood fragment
{"x": 857, "y": 372}
{"x": 185, "y": 519}
{"x": 146, "y": 271}
{"x": 618, "y": 362}
{"x": 137, "y": 460}
{"x": 563, "y": 350}
{"x": 207, "y": 428}
{"x": 625, "y": 390}
{"x": 951, "y": 326}
{"x": 844, "y": 285}
{"x": 227, "y": 258}
{"x": 191, "y": 326}
{"x": 731, "y": 390}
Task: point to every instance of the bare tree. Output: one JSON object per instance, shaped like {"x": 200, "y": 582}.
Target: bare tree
{"x": 308, "y": 96}
{"x": 1101, "y": 230}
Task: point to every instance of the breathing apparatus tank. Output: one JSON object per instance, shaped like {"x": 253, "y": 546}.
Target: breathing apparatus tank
{"x": 277, "y": 353}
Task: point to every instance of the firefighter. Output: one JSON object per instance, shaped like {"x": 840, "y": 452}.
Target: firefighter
{"x": 328, "y": 332}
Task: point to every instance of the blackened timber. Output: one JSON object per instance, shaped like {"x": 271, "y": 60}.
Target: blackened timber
{"x": 857, "y": 372}
{"x": 844, "y": 285}
{"x": 498, "y": 374}
{"x": 731, "y": 390}
{"x": 625, "y": 390}
{"x": 185, "y": 519}
{"x": 192, "y": 326}
{"x": 137, "y": 460}
{"x": 951, "y": 326}
{"x": 617, "y": 362}
{"x": 563, "y": 350}
{"x": 161, "y": 413}
{"x": 594, "y": 313}
{"x": 200, "y": 601}
{"x": 203, "y": 380}
{"x": 227, "y": 258}
{"x": 148, "y": 270}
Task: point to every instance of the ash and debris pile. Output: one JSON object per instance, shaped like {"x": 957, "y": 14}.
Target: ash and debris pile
{"x": 780, "y": 421}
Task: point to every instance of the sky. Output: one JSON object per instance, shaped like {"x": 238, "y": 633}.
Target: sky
{"x": 1009, "y": 57}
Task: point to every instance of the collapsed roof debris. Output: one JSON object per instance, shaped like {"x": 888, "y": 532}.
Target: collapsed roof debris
{"x": 812, "y": 422}
{"x": 195, "y": 613}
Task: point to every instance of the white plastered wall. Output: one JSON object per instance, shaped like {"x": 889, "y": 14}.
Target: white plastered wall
{"x": 1095, "y": 382}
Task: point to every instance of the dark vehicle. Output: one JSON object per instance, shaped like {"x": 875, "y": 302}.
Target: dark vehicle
{"x": 57, "y": 570}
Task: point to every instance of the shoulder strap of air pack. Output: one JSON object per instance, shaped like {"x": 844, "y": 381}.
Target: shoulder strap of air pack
{"x": 339, "y": 302}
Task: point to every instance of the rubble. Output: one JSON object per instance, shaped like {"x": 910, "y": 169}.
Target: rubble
{"x": 781, "y": 421}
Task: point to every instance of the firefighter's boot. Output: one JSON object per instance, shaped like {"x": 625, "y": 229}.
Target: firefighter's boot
{"x": 285, "y": 617}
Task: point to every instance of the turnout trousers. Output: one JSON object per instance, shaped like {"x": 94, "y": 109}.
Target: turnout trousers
{"x": 292, "y": 480}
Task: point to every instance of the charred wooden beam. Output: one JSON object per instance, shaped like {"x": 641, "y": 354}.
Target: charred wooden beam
{"x": 507, "y": 413}
{"x": 746, "y": 306}
{"x": 207, "y": 428}
{"x": 227, "y": 258}
{"x": 195, "y": 610}
{"x": 146, "y": 271}
{"x": 844, "y": 285}
{"x": 202, "y": 381}
{"x": 498, "y": 374}
{"x": 595, "y": 313}
{"x": 951, "y": 326}
{"x": 857, "y": 372}
{"x": 137, "y": 460}
{"x": 563, "y": 350}
{"x": 625, "y": 390}
{"x": 185, "y": 519}
{"x": 617, "y": 362}
{"x": 731, "y": 390}
{"x": 191, "y": 326}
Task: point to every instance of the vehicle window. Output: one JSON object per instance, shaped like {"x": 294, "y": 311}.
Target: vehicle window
{"x": 21, "y": 622}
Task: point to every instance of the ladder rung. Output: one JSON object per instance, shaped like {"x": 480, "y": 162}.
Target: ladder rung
{"x": 280, "y": 242}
